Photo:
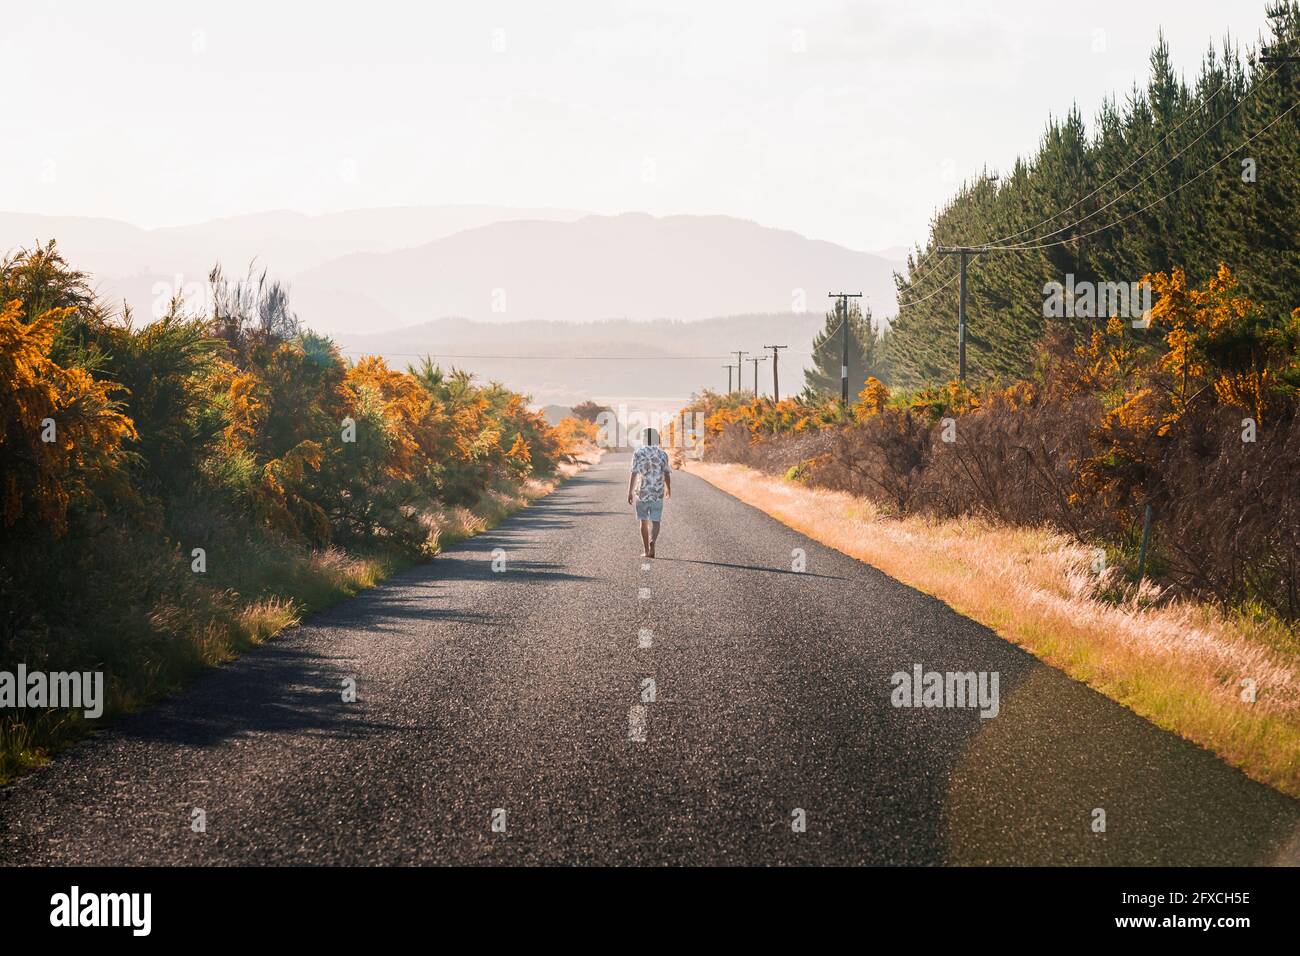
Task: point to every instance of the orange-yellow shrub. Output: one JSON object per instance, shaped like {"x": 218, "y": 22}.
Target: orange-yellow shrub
{"x": 60, "y": 432}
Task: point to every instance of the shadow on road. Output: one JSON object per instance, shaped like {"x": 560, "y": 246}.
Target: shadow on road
{"x": 752, "y": 567}
{"x": 280, "y": 689}
{"x": 481, "y": 570}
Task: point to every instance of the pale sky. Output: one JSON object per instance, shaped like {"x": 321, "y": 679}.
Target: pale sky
{"x": 848, "y": 122}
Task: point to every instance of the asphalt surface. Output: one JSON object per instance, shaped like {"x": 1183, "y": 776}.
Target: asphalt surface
{"x": 482, "y": 690}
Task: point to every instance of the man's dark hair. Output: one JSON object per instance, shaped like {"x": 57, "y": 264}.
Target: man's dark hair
{"x": 651, "y": 436}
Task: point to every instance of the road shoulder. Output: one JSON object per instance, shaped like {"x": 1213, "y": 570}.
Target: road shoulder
{"x": 1185, "y": 668}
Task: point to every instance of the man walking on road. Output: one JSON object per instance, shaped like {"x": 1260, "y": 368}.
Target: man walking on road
{"x": 650, "y": 482}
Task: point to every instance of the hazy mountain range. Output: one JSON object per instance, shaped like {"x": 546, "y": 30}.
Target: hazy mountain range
{"x": 132, "y": 264}
{"x": 286, "y": 242}
{"x": 654, "y": 362}
{"x": 631, "y": 266}
{"x": 556, "y": 302}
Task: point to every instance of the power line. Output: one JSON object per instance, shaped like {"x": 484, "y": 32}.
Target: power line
{"x": 951, "y": 279}
{"x": 1144, "y": 155}
{"x": 914, "y": 281}
{"x": 962, "y": 252}
{"x": 933, "y": 269}
{"x": 1172, "y": 192}
{"x": 1165, "y": 165}
{"x": 542, "y": 358}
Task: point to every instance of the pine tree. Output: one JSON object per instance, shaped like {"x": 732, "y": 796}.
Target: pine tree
{"x": 866, "y": 353}
{"x": 1162, "y": 181}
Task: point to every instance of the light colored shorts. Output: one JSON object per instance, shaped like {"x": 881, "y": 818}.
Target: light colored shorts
{"x": 649, "y": 509}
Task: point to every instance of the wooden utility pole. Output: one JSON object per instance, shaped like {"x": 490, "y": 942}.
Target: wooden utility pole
{"x": 843, "y": 306}
{"x": 756, "y": 361}
{"x": 728, "y": 368}
{"x": 961, "y": 321}
{"x": 962, "y": 253}
{"x": 776, "y": 384}
{"x": 740, "y": 367}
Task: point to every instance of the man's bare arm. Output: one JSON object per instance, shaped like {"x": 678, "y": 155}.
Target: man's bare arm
{"x": 668, "y": 483}
{"x": 631, "y": 486}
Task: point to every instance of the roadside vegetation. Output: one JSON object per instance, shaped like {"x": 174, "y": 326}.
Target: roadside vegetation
{"x": 176, "y": 491}
{"x": 1197, "y": 417}
{"x": 1021, "y": 495}
{"x": 1023, "y": 505}
{"x": 1169, "y": 174}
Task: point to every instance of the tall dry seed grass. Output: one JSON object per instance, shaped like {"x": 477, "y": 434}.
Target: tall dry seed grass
{"x": 1179, "y": 664}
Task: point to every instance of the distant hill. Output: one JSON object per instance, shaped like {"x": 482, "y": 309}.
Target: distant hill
{"x": 651, "y": 363}
{"x": 291, "y": 242}
{"x": 897, "y": 254}
{"x": 631, "y": 266}
{"x": 375, "y": 269}
{"x": 130, "y": 263}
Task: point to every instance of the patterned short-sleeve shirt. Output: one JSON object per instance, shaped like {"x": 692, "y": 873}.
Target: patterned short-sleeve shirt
{"x": 650, "y": 462}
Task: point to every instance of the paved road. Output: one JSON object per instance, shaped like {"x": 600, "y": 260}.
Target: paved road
{"x": 481, "y": 690}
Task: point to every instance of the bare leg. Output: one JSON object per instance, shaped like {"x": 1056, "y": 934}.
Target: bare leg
{"x": 645, "y": 538}
{"x": 654, "y": 533}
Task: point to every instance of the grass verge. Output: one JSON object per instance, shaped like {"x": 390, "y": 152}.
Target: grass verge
{"x": 1181, "y": 665}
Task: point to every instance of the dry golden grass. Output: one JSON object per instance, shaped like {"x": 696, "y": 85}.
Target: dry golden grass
{"x": 1178, "y": 664}
{"x": 446, "y": 526}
